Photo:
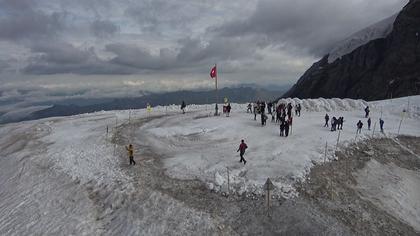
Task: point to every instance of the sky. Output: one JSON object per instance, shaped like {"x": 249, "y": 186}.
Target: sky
{"x": 53, "y": 49}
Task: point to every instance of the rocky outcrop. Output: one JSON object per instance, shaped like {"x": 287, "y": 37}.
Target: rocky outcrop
{"x": 382, "y": 68}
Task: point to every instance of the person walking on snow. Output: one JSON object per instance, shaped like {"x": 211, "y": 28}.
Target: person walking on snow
{"x": 334, "y": 124}
{"x": 327, "y": 118}
{"x": 249, "y": 110}
{"x": 369, "y": 123}
{"x": 381, "y": 124}
{"x": 255, "y": 110}
{"x": 298, "y": 109}
{"x": 130, "y": 151}
{"x": 359, "y": 126}
{"x": 183, "y": 107}
{"x": 241, "y": 150}
{"x": 263, "y": 118}
{"x": 228, "y": 107}
{"x": 282, "y": 126}
{"x": 286, "y": 128}
{"x": 367, "y": 110}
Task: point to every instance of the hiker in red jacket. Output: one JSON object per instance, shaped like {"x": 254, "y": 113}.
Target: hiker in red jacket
{"x": 241, "y": 150}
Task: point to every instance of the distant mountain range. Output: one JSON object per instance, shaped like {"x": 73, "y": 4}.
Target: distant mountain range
{"x": 237, "y": 95}
{"x": 379, "y": 62}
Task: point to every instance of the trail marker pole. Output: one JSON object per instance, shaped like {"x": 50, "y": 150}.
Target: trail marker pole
{"x": 408, "y": 105}
{"x": 374, "y": 127}
{"x": 228, "y": 183}
{"x": 325, "y": 156}
{"x": 338, "y": 140}
{"x": 399, "y": 127}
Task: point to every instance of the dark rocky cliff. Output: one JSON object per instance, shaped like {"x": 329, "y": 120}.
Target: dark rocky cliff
{"x": 382, "y": 68}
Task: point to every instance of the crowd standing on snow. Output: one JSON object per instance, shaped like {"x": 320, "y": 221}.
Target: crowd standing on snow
{"x": 281, "y": 113}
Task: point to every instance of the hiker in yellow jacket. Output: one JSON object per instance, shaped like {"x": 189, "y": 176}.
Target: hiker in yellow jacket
{"x": 130, "y": 151}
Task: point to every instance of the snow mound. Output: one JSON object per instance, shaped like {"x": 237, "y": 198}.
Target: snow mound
{"x": 378, "y": 30}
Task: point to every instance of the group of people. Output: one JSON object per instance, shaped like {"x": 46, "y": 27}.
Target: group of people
{"x": 280, "y": 113}
{"x": 336, "y": 123}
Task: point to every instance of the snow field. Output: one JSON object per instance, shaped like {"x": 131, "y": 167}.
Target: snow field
{"x": 197, "y": 146}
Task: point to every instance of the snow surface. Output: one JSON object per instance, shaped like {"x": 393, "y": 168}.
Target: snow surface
{"x": 378, "y": 30}
{"x": 392, "y": 188}
{"x": 204, "y": 147}
{"x": 47, "y": 164}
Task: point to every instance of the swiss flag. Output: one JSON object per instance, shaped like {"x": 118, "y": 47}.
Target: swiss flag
{"x": 213, "y": 72}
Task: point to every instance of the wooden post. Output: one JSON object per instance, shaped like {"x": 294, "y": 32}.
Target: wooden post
{"x": 228, "y": 182}
{"x": 338, "y": 139}
{"x": 374, "y": 127}
{"x": 325, "y": 156}
{"x": 399, "y": 127}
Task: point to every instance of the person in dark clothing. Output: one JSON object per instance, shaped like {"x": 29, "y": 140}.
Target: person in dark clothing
{"x": 278, "y": 116}
{"x": 282, "y": 125}
{"x": 228, "y": 108}
{"x": 289, "y": 109}
{"x": 273, "y": 114}
{"x": 249, "y": 110}
{"x": 369, "y": 123}
{"x": 269, "y": 106}
{"x": 255, "y": 111}
{"x": 263, "y": 118}
{"x": 130, "y": 151}
{"x": 286, "y": 128}
{"x": 367, "y": 110}
{"x": 183, "y": 106}
{"x": 381, "y": 124}
{"x": 334, "y": 124}
{"x": 327, "y": 118}
{"x": 262, "y": 108}
{"x": 298, "y": 109}
{"x": 359, "y": 126}
{"x": 340, "y": 123}
{"x": 241, "y": 150}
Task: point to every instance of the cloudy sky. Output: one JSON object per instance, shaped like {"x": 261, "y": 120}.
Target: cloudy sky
{"x": 94, "y": 48}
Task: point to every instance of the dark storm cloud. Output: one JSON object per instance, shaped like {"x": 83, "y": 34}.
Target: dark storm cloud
{"x": 57, "y": 57}
{"x": 103, "y": 28}
{"x": 313, "y": 25}
{"x": 192, "y": 53}
{"x": 96, "y": 37}
{"x": 19, "y": 20}
{"x": 133, "y": 56}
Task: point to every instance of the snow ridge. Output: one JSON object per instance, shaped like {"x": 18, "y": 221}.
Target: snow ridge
{"x": 375, "y": 31}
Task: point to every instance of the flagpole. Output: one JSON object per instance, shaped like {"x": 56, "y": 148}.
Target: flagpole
{"x": 217, "y": 94}
{"x": 217, "y": 89}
